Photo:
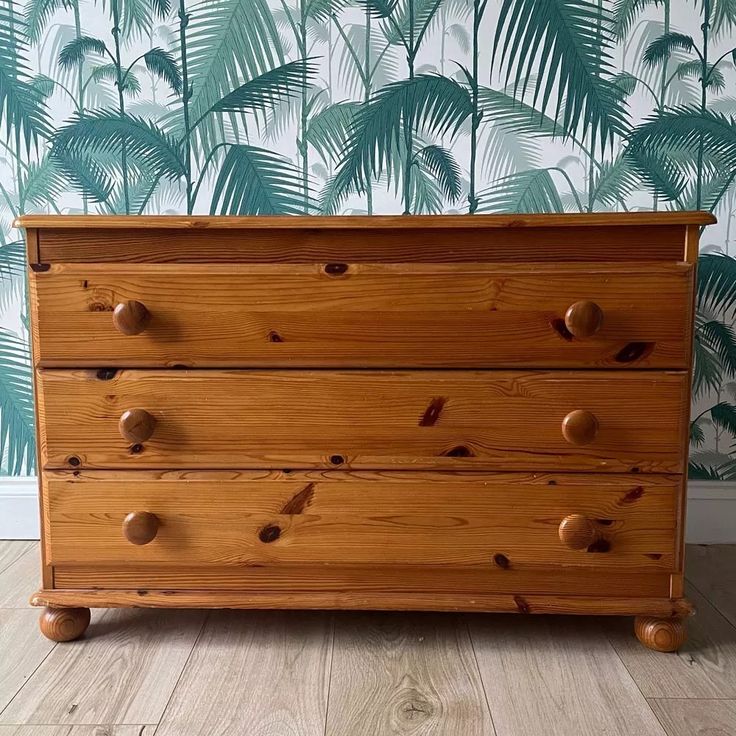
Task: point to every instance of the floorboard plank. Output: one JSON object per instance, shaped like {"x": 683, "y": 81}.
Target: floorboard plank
{"x": 557, "y": 676}
{"x": 696, "y": 717}
{"x": 123, "y": 671}
{"x": 712, "y": 570}
{"x": 255, "y": 673}
{"x": 21, "y": 579}
{"x": 45, "y": 730}
{"x": 705, "y": 667}
{"x": 405, "y": 674}
{"x": 11, "y": 550}
{"x": 22, "y": 650}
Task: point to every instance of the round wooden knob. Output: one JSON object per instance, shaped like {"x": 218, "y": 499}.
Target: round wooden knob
{"x": 580, "y": 427}
{"x": 130, "y": 317}
{"x": 137, "y": 425}
{"x": 140, "y": 527}
{"x": 584, "y": 319}
{"x": 577, "y": 531}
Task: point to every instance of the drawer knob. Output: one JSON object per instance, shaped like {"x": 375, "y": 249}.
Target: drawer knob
{"x": 137, "y": 425}
{"x": 140, "y": 527}
{"x": 583, "y": 319}
{"x": 580, "y": 427}
{"x": 130, "y": 317}
{"x": 578, "y": 532}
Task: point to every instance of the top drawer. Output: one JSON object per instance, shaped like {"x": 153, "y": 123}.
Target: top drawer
{"x": 403, "y": 315}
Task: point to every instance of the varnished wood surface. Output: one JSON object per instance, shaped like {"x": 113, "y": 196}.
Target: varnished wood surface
{"x": 292, "y": 419}
{"x": 364, "y": 222}
{"x": 378, "y": 315}
{"x": 373, "y": 601}
{"x": 365, "y": 580}
{"x": 555, "y": 671}
{"x": 64, "y": 624}
{"x": 465, "y": 520}
{"x": 549, "y": 244}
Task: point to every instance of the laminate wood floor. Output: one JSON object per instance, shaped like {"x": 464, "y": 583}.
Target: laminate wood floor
{"x": 194, "y": 673}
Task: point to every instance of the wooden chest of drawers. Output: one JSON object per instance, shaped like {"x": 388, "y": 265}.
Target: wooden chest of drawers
{"x": 450, "y": 413}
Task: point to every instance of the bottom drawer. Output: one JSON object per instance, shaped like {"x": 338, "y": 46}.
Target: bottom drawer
{"x": 202, "y": 525}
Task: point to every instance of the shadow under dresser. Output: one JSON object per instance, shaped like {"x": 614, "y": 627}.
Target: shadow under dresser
{"x": 460, "y": 413}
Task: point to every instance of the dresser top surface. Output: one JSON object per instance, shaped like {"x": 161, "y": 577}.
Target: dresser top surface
{"x": 364, "y": 222}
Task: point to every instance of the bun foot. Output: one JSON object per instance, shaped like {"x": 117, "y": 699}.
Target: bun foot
{"x": 660, "y": 634}
{"x": 64, "y": 624}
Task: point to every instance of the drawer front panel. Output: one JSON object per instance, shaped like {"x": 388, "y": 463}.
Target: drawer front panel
{"x": 363, "y": 315}
{"x": 506, "y": 522}
{"x": 298, "y": 419}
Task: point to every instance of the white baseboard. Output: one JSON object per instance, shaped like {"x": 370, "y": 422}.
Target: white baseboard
{"x": 19, "y": 508}
{"x": 711, "y": 511}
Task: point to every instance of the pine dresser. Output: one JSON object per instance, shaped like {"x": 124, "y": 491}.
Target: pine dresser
{"x": 466, "y": 413}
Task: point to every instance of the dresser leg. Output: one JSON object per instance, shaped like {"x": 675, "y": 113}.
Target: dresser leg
{"x": 64, "y": 624}
{"x": 660, "y": 634}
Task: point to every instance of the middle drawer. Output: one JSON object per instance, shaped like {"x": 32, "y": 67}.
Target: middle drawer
{"x": 506, "y": 420}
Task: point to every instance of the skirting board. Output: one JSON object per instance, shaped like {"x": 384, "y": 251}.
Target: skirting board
{"x": 19, "y": 508}
{"x": 711, "y": 514}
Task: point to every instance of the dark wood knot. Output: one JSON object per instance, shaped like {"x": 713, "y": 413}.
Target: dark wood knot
{"x": 460, "y": 451}
{"x": 106, "y": 374}
{"x": 269, "y": 533}
{"x": 336, "y": 269}
{"x": 74, "y": 461}
{"x": 136, "y": 449}
{"x": 337, "y": 459}
{"x": 501, "y": 561}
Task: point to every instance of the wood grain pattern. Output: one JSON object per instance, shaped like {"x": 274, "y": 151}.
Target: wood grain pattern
{"x": 23, "y": 650}
{"x": 64, "y": 624}
{"x": 623, "y": 244}
{"x": 266, "y": 673}
{"x": 363, "y": 222}
{"x": 12, "y": 550}
{"x": 405, "y": 674}
{"x": 106, "y": 730}
{"x": 303, "y": 419}
{"x": 393, "y": 579}
{"x": 21, "y": 578}
{"x": 378, "y": 315}
{"x": 371, "y": 600}
{"x": 530, "y": 669}
{"x": 127, "y": 677}
{"x": 463, "y": 520}
{"x": 696, "y": 717}
{"x": 704, "y": 668}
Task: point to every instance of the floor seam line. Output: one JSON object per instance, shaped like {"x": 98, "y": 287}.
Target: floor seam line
{"x": 329, "y": 677}
{"x": 480, "y": 676}
{"x": 183, "y": 670}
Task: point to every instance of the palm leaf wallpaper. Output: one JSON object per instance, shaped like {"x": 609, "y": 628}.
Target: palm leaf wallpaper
{"x": 300, "y": 107}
